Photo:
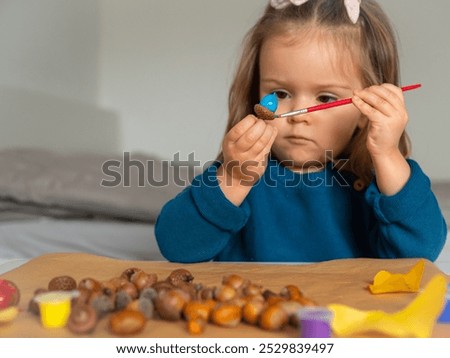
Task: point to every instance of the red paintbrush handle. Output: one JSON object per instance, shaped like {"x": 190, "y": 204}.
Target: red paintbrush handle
{"x": 337, "y": 103}
{"x": 344, "y": 101}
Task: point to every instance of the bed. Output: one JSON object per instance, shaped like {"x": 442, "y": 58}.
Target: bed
{"x": 52, "y": 150}
{"x": 54, "y": 202}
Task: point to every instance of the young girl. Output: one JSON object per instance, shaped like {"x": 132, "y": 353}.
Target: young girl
{"x": 324, "y": 185}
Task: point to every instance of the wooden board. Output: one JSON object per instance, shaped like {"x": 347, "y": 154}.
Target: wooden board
{"x": 336, "y": 281}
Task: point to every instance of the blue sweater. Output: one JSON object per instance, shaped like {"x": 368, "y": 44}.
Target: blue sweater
{"x": 291, "y": 217}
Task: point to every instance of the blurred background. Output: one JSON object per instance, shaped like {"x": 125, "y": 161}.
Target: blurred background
{"x": 153, "y": 76}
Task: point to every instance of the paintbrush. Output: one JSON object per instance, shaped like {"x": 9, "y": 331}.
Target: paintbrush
{"x": 266, "y": 114}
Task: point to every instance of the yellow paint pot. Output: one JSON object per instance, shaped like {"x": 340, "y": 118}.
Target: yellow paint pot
{"x": 54, "y": 307}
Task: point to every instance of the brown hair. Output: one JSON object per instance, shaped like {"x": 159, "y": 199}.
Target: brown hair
{"x": 372, "y": 37}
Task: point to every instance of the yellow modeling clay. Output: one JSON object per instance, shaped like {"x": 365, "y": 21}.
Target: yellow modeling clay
{"x": 416, "y": 320}
{"x": 385, "y": 281}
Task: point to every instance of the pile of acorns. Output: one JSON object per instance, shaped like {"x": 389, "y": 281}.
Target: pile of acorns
{"x": 135, "y": 297}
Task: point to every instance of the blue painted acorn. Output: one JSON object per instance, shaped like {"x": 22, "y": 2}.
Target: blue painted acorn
{"x": 270, "y": 102}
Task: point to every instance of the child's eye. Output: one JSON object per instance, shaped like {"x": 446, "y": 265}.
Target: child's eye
{"x": 326, "y": 98}
{"x": 281, "y": 94}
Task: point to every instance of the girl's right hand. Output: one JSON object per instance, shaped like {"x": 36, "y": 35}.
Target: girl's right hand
{"x": 245, "y": 150}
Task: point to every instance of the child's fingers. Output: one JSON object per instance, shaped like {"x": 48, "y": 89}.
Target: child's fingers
{"x": 375, "y": 100}
{"x": 241, "y": 128}
{"x": 251, "y": 136}
{"x": 268, "y": 147}
{"x": 379, "y": 99}
{"x": 266, "y": 140}
{"x": 396, "y": 91}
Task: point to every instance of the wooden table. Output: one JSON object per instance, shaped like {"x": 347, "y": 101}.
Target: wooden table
{"x": 337, "y": 281}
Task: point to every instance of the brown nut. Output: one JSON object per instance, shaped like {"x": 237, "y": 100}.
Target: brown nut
{"x": 238, "y": 301}
{"x": 117, "y": 282}
{"x": 252, "y": 310}
{"x": 131, "y": 289}
{"x": 143, "y": 280}
{"x": 226, "y": 315}
{"x": 224, "y": 293}
{"x": 89, "y": 284}
{"x": 160, "y": 286}
{"x": 206, "y": 293}
{"x": 196, "y": 326}
{"x": 291, "y": 292}
{"x": 233, "y": 280}
{"x": 252, "y": 290}
{"x": 197, "y": 310}
{"x": 108, "y": 288}
{"x": 272, "y": 298}
{"x": 62, "y": 283}
{"x": 126, "y": 274}
{"x": 82, "y": 319}
{"x": 170, "y": 304}
{"x": 143, "y": 305}
{"x": 273, "y": 318}
{"x": 180, "y": 276}
{"x": 127, "y": 322}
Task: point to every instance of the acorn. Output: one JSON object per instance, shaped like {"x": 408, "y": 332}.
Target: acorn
{"x": 226, "y": 315}
{"x": 194, "y": 310}
{"x": 196, "y": 326}
{"x": 143, "y": 280}
{"x": 180, "y": 277}
{"x": 82, "y": 319}
{"x": 263, "y": 113}
{"x": 90, "y": 284}
{"x": 252, "y": 310}
{"x": 170, "y": 304}
{"x": 127, "y": 322}
{"x": 273, "y": 318}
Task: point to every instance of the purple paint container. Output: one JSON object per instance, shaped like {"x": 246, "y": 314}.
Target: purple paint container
{"x": 445, "y": 314}
{"x": 315, "y": 322}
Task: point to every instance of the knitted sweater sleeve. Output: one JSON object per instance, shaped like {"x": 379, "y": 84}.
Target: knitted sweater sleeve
{"x": 409, "y": 223}
{"x": 199, "y": 222}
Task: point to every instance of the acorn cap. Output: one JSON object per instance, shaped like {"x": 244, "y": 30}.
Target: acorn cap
{"x": 263, "y": 113}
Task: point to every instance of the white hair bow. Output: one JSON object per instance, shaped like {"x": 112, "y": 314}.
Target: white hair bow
{"x": 352, "y": 6}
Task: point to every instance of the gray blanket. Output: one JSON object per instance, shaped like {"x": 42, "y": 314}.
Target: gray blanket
{"x": 45, "y": 183}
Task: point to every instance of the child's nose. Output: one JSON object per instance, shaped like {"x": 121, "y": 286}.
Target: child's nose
{"x": 300, "y": 104}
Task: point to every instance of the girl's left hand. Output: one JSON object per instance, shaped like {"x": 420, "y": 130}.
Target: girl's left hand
{"x": 384, "y": 106}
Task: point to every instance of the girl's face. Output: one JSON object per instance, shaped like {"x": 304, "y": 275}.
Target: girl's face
{"x": 303, "y": 73}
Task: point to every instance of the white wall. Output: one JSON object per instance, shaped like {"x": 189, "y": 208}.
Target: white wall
{"x": 424, "y": 34}
{"x": 164, "y": 67}
{"x": 50, "y": 46}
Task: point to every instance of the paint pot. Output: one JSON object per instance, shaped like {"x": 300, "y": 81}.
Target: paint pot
{"x": 55, "y": 307}
{"x": 315, "y": 322}
{"x": 445, "y": 314}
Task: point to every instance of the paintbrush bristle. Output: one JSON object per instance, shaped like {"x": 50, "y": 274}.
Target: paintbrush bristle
{"x": 264, "y": 113}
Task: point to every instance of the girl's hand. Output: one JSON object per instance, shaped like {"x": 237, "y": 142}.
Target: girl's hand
{"x": 384, "y": 106}
{"x": 245, "y": 150}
